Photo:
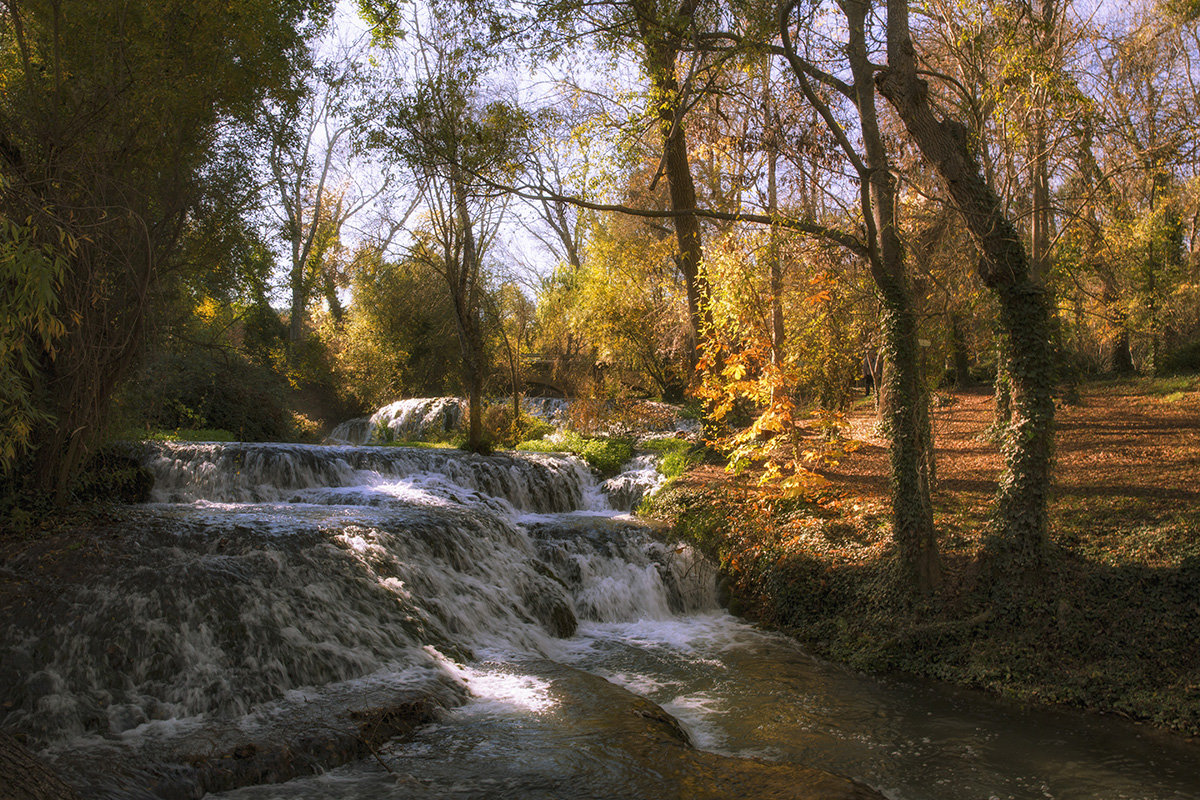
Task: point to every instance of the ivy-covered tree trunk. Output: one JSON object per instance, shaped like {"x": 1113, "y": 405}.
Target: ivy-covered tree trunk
{"x": 1028, "y": 444}
{"x": 1002, "y": 391}
{"x": 1022, "y": 502}
{"x": 905, "y": 404}
{"x": 906, "y": 414}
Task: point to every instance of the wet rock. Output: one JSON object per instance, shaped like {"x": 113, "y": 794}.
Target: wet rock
{"x": 24, "y": 777}
{"x": 648, "y": 753}
{"x": 354, "y": 736}
{"x": 546, "y": 599}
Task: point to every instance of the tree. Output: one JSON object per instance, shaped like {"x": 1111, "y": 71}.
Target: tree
{"x": 398, "y": 336}
{"x": 457, "y": 146}
{"x": 1004, "y": 266}
{"x": 1138, "y": 158}
{"x": 108, "y": 119}
{"x": 315, "y": 179}
{"x": 659, "y": 31}
{"x": 906, "y": 405}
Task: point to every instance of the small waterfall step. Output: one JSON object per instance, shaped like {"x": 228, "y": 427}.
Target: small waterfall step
{"x": 240, "y": 472}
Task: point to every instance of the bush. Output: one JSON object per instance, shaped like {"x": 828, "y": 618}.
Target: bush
{"x": 113, "y": 475}
{"x": 607, "y": 456}
{"x": 305, "y": 430}
{"x": 1184, "y": 359}
{"x": 502, "y": 430}
{"x": 209, "y": 389}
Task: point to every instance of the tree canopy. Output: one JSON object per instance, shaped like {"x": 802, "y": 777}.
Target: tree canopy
{"x": 752, "y": 207}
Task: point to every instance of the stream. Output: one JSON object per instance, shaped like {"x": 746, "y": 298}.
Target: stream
{"x": 565, "y": 650}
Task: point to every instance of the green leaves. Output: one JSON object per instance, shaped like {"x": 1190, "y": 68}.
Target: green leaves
{"x": 118, "y": 122}
{"x": 31, "y": 276}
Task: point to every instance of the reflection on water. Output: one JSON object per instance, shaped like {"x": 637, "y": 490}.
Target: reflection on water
{"x": 537, "y": 730}
{"x": 748, "y": 693}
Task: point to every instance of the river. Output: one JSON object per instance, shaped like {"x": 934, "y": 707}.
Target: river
{"x": 565, "y": 651}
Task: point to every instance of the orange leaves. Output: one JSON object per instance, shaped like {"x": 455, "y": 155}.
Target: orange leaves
{"x": 779, "y": 438}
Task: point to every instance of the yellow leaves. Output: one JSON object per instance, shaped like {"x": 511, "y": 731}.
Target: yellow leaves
{"x": 207, "y": 310}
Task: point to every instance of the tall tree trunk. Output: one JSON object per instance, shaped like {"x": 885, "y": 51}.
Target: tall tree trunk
{"x": 906, "y": 409}
{"x": 299, "y": 304}
{"x": 466, "y": 290}
{"x": 475, "y": 409}
{"x": 906, "y": 404}
{"x": 661, "y": 41}
{"x": 774, "y": 256}
{"x": 1022, "y": 502}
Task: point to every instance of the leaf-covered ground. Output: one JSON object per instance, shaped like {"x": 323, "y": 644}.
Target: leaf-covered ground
{"x": 1112, "y": 624}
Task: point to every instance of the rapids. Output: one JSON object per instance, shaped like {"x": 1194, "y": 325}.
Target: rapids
{"x": 343, "y": 621}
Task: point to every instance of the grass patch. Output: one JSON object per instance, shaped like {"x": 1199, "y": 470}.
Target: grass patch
{"x": 1168, "y": 386}
{"x": 188, "y": 435}
{"x": 437, "y": 445}
{"x": 605, "y": 455}
{"x": 676, "y": 456}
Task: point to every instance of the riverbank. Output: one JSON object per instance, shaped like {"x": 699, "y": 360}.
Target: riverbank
{"x": 1110, "y": 627}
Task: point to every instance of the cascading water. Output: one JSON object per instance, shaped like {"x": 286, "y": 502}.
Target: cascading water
{"x": 282, "y": 616}
{"x": 423, "y": 417}
{"x": 404, "y": 419}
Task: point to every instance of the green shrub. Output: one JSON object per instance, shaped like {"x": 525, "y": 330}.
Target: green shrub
{"x": 546, "y": 445}
{"x": 606, "y": 456}
{"x": 209, "y": 389}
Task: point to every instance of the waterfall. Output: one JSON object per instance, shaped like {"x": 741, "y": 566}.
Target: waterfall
{"x": 331, "y": 475}
{"x": 261, "y": 569}
{"x": 290, "y": 620}
{"x": 434, "y": 417}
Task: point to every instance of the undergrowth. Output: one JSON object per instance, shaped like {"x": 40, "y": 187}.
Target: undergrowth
{"x": 1104, "y": 627}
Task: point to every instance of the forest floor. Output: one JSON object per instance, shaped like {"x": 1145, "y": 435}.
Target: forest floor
{"x": 1110, "y": 625}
